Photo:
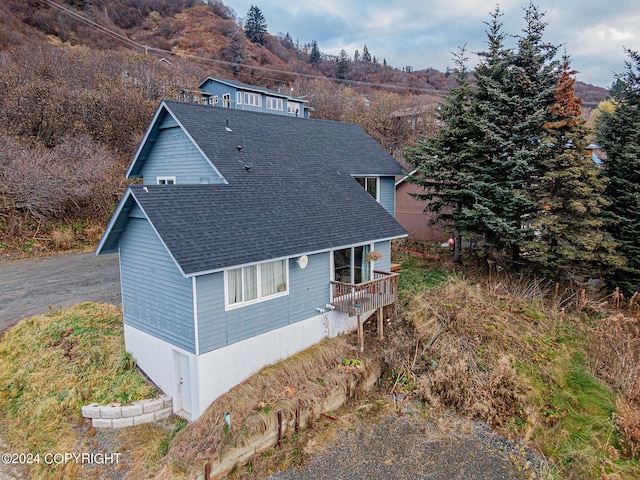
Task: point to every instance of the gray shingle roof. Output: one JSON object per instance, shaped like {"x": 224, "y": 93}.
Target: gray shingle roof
{"x": 298, "y": 196}
{"x": 209, "y": 227}
{"x": 280, "y": 145}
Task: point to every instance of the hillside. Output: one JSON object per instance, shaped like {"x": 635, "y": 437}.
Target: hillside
{"x": 80, "y": 80}
{"x": 210, "y": 34}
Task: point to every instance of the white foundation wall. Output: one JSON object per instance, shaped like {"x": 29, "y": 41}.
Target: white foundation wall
{"x": 157, "y": 359}
{"x": 214, "y": 373}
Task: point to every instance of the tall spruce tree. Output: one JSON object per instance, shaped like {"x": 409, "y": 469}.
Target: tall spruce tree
{"x": 444, "y": 161}
{"x": 366, "y": 56}
{"x": 571, "y": 242}
{"x": 314, "y": 56}
{"x": 515, "y": 92}
{"x": 342, "y": 64}
{"x": 255, "y": 26}
{"x": 618, "y": 133}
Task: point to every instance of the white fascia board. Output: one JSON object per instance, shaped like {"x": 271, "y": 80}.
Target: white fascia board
{"x": 404, "y": 179}
{"x": 295, "y": 255}
{"x": 114, "y": 219}
{"x": 144, "y": 140}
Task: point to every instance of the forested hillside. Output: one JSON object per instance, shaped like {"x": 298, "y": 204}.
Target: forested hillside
{"x": 80, "y": 79}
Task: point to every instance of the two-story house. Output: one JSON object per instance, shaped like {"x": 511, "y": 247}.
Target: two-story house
{"x": 241, "y": 96}
{"x": 249, "y": 239}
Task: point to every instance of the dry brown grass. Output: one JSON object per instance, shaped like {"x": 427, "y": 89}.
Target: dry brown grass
{"x": 470, "y": 340}
{"x": 306, "y": 378}
{"x": 615, "y": 358}
{"x": 615, "y": 352}
{"x": 63, "y": 239}
{"x": 53, "y": 364}
{"x": 628, "y": 419}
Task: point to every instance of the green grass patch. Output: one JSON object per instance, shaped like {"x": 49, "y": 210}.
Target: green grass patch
{"x": 579, "y": 433}
{"x": 53, "y": 364}
{"x": 415, "y": 277}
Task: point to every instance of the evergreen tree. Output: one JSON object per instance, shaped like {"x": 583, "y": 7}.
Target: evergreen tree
{"x": 366, "y": 56}
{"x": 515, "y": 92}
{"x": 571, "y": 241}
{"x": 356, "y": 56}
{"x": 255, "y": 26}
{"x": 618, "y": 133}
{"x": 342, "y": 64}
{"x": 445, "y": 161}
{"x": 314, "y": 56}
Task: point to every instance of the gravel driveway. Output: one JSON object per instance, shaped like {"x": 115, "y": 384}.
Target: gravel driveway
{"x": 34, "y": 285}
{"x": 410, "y": 447}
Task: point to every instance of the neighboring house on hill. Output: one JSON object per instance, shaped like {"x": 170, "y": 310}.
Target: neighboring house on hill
{"x": 241, "y": 96}
{"x": 248, "y": 240}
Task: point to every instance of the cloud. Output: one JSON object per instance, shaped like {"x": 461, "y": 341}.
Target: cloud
{"x": 424, "y": 33}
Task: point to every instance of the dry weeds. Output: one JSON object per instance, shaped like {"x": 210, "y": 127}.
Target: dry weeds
{"x": 464, "y": 354}
{"x": 306, "y": 378}
{"x": 615, "y": 358}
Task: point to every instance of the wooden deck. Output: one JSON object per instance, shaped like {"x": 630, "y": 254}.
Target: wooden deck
{"x": 364, "y": 299}
{"x": 356, "y": 299}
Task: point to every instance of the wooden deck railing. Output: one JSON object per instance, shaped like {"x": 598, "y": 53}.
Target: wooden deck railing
{"x": 356, "y": 299}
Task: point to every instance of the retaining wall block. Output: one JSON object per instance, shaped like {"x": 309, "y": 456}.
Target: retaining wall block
{"x": 164, "y": 413}
{"x": 102, "y": 423}
{"x": 145, "y": 418}
{"x": 132, "y": 410}
{"x": 111, "y": 412}
{"x": 91, "y": 411}
{"x": 122, "y": 422}
{"x": 153, "y": 406}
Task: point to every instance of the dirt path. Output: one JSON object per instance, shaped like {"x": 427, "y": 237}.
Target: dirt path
{"x": 34, "y": 285}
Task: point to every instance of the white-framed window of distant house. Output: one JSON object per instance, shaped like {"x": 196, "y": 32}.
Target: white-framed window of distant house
{"x": 274, "y": 103}
{"x": 252, "y": 99}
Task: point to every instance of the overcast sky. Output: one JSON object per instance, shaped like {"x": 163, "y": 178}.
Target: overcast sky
{"x": 424, "y": 33}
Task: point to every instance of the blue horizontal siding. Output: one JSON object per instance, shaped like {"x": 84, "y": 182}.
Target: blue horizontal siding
{"x": 384, "y": 264}
{"x": 308, "y": 289}
{"x": 255, "y": 319}
{"x": 174, "y": 154}
{"x": 212, "y": 321}
{"x": 156, "y": 298}
{"x": 387, "y": 196}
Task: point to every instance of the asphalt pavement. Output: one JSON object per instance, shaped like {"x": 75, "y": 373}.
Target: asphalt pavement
{"x": 36, "y": 285}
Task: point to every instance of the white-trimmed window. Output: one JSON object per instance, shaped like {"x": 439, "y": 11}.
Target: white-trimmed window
{"x": 274, "y": 103}
{"x": 252, "y": 99}
{"x": 370, "y": 184}
{"x": 166, "y": 180}
{"x": 350, "y": 265}
{"x": 294, "y": 108}
{"x": 226, "y": 100}
{"x": 238, "y": 98}
{"x": 257, "y": 282}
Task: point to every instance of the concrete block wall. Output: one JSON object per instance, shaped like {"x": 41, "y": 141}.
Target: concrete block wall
{"x": 115, "y": 415}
